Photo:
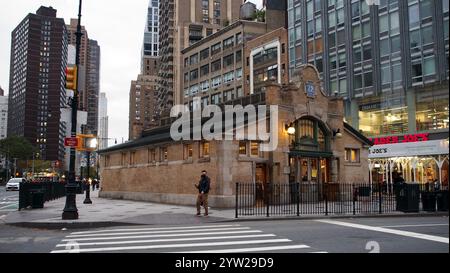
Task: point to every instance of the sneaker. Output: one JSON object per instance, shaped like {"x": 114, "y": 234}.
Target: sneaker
{"x": 206, "y": 215}
{"x": 198, "y": 214}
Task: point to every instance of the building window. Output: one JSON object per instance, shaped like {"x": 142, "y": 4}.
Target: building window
{"x": 216, "y": 66}
{"x": 216, "y": 98}
{"x": 242, "y": 148}
{"x": 188, "y": 151}
{"x": 215, "y": 48}
{"x": 228, "y": 60}
{"x": 194, "y": 59}
{"x": 204, "y": 54}
{"x": 194, "y": 75}
{"x": 228, "y": 77}
{"x": 151, "y": 155}
{"x": 432, "y": 110}
{"x": 352, "y": 155}
{"x": 133, "y": 158}
{"x": 383, "y": 118}
{"x": 216, "y": 81}
{"x": 164, "y": 154}
{"x": 204, "y": 70}
{"x": 227, "y": 43}
{"x": 123, "y": 159}
{"x": 238, "y": 38}
{"x": 238, "y": 56}
{"x": 204, "y": 149}
{"x": 254, "y": 148}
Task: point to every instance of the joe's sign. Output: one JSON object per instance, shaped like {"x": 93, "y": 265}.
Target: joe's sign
{"x": 400, "y": 139}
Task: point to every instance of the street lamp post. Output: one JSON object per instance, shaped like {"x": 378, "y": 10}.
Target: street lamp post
{"x": 92, "y": 144}
{"x": 70, "y": 210}
{"x": 88, "y": 200}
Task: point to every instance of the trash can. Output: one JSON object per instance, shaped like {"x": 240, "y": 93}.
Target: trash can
{"x": 428, "y": 201}
{"x": 364, "y": 191}
{"x": 37, "y": 199}
{"x": 407, "y": 197}
{"x": 442, "y": 200}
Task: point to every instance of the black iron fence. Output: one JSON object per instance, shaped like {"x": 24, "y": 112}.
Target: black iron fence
{"x": 266, "y": 199}
{"x": 36, "y": 194}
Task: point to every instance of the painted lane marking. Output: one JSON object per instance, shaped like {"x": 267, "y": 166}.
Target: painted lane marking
{"x": 391, "y": 231}
{"x": 153, "y": 232}
{"x": 256, "y": 249}
{"x": 149, "y": 229}
{"x": 8, "y": 206}
{"x": 176, "y": 246}
{"x": 171, "y": 240}
{"x": 163, "y": 235}
{"x": 419, "y": 225}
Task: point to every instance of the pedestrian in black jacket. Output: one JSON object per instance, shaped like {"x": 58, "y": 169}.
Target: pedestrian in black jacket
{"x": 203, "y": 191}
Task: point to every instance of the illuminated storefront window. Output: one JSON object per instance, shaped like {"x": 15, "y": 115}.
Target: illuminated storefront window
{"x": 378, "y": 122}
{"x": 432, "y": 110}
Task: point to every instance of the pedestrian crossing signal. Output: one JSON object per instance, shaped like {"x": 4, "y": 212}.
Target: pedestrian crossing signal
{"x": 71, "y": 77}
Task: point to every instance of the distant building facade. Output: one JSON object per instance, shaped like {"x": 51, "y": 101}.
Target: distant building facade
{"x": 37, "y": 82}
{"x": 183, "y": 23}
{"x": 3, "y": 121}
{"x": 103, "y": 121}
{"x": 143, "y": 94}
{"x": 89, "y": 74}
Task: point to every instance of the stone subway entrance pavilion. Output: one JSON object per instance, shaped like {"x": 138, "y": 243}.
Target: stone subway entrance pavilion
{"x": 323, "y": 149}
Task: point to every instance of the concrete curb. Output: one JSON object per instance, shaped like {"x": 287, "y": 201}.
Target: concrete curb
{"x": 71, "y": 225}
{"x": 431, "y": 214}
{"x": 103, "y": 224}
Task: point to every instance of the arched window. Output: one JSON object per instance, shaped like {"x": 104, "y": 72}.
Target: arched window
{"x": 311, "y": 136}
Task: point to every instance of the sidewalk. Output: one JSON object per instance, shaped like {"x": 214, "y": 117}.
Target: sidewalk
{"x": 111, "y": 212}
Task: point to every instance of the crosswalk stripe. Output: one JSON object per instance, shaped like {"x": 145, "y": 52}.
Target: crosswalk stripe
{"x": 8, "y": 206}
{"x": 255, "y": 249}
{"x": 434, "y": 238}
{"x": 163, "y": 235}
{"x": 153, "y": 232}
{"x": 168, "y": 240}
{"x": 149, "y": 229}
{"x": 175, "y": 246}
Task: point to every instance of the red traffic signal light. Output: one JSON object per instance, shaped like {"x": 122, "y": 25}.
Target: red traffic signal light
{"x": 71, "y": 77}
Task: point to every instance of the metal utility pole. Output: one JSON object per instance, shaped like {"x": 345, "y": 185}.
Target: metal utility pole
{"x": 70, "y": 209}
{"x": 15, "y": 167}
{"x": 88, "y": 188}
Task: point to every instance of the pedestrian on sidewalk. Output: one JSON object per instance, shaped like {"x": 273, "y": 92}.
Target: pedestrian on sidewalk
{"x": 203, "y": 191}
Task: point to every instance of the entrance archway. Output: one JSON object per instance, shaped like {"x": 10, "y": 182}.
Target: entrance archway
{"x": 310, "y": 156}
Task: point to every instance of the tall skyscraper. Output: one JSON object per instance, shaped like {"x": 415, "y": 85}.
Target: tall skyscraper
{"x": 37, "y": 82}
{"x": 143, "y": 90}
{"x": 143, "y": 94}
{"x": 3, "y": 115}
{"x": 93, "y": 85}
{"x": 3, "y": 121}
{"x": 103, "y": 121}
{"x": 389, "y": 61}
{"x": 84, "y": 48}
{"x": 183, "y": 23}
{"x": 150, "y": 47}
{"x": 89, "y": 74}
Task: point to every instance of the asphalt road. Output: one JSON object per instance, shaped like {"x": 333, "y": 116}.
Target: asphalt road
{"x": 358, "y": 235}
{"x": 9, "y": 201}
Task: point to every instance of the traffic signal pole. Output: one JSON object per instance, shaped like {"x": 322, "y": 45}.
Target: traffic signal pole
{"x": 70, "y": 210}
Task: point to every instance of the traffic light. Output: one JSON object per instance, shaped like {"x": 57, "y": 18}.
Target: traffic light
{"x": 71, "y": 77}
{"x": 86, "y": 142}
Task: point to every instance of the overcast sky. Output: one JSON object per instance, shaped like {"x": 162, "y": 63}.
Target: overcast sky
{"x": 117, "y": 25}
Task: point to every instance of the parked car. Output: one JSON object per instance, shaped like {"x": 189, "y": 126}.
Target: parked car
{"x": 14, "y": 184}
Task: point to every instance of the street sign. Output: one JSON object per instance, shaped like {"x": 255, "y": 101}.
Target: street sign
{"x": 71, "y": 142}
